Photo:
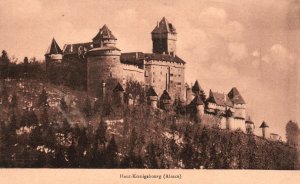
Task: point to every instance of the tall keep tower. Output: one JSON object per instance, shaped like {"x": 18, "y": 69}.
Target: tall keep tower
{"x": 103, "y": 61}
{"x": 164, "y": 38}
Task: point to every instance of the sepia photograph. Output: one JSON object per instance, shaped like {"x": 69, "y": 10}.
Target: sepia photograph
{"x": 136, "y": 84}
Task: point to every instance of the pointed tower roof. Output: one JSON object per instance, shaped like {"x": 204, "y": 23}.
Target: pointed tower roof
{"x": 54, "y": 48}
{"x": 104, "y": 33}
{"x": 118, "y": 88}
{"x": 151, "y": 92}
{"x": 197, "y": 101}
{"x": 196, "y": 87}
{"x": 264, "y": 125}
{"x": 164, "y": 27}
{"x": 235, "y": 96}
{"x": 165, "y": 96}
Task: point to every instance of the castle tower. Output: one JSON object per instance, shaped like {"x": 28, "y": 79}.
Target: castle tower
{"x": 239, "y": 106}
{"x": 53, "y": 58}
{"x": 152, "y": 97}
{"x": 119, "y": 94}
{"x": 103, "y": 61}
{"x": 165, "y": 100}
{"x": 249, "y": 126}
{"x": 264, "y": 127}
{"x": 164, "y": 38}
{"x": 229, "y": 119}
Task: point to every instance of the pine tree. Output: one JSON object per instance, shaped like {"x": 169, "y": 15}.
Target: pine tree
{"x": 43, "y": 99}
{"x": 101, "y": 133}
{"x": 14, "y": 101}
{"x": 133, "y": 140}
{"x": 44, "y": 120}
{"x": 4, "y": 95}
{"x": 292, "y": 133}
{"x": 63, "y": 104}
{"x": 66, "y": 127}
{"x": 112, "y": 153}
{"x": 87, "y": 108}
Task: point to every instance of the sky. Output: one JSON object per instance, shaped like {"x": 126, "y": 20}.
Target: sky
{"x": 252, "y": 45}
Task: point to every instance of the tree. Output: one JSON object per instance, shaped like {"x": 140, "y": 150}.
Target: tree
{"x": 292, "y": 133}
{"x": 101, "y": 133}
{"x": 4, "y": 95}
{"x": 44, "y": 120}
{"x": 43, "y": 99}
{"x": 87, "y": 108}
{"x": 112, "y": 153}
{"x": 135, "y": 89}
{"x": 133, "y": 140}
{"x": 14, "y": 101}
{"x": 4, "y": 61}
{"x": 25, "y": 60}
{"x": 63, "y": 104}
{"x": 66, "y": 127}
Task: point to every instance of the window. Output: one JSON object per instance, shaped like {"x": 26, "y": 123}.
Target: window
{"x": 146, "y": 74}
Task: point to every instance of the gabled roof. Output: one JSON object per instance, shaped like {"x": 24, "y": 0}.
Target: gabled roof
{"x": 151, "y": 92}
{"x": 118, "y": 88}
{"x": 219, "y": 99}
{"x": 196, "y": 87}
{"x": 104, "y": 33}
{"x": 164, "y": 27}
{"x": 197, "y": 101}
{"x": 54, "y": 48}
{"x": 235, "y": 96}
{"x": 137, "y": 58}
{"x": 73, "y": 48}
{"x": 264, "y": 125}
{"x": 165, "y": 96}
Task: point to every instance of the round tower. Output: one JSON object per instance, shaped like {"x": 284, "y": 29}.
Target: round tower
{"x": 229, "y": 119}
{"x": 265, "y": 132}
{"x": 103, "y": 61}
{"x": 152, "y": 97}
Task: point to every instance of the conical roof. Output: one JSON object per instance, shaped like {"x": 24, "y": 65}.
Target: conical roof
{"x": 197, "y": 101}
{"x": 235, "y": 96}
{"x": 165, "y": 96}
{"x": 196, "y": 87}
{"x": 164, "y": 27}
{"x": 104, "y": 33}
{"x": 151, "y": 92}
{"x": 54, "y": 48}
{"x": 264, "y": 125}
{"x": 118, "y": 88}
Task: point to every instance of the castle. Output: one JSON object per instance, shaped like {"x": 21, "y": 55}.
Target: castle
{"x": 90, "y": 64}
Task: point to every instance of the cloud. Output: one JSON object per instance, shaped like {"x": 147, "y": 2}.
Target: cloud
{"x": 237, "y": 52}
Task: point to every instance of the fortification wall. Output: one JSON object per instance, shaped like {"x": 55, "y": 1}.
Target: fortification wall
{"x": 132, "y": 72}
{"x": 102, "y": 68}
{"x": 165, "y": 75}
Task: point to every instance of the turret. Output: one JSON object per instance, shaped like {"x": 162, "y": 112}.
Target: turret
{"x": 264, "y": 126}
{"x": 229, "y": 119}
{"x": 164, "y": 38}
{"x": 197, "y": 88}
{"x": 152, "y": 97}
{"x": 239, "y": 104}
{"x": 119, "y": 94}
{"x": 249, "y": 126}
{"x": 103, "y": 61}
{"x": 165, "y": 100}
{"x": 54, "y": 53}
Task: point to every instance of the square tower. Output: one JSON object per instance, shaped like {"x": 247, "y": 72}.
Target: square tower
{"x": 164, "y": 38}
